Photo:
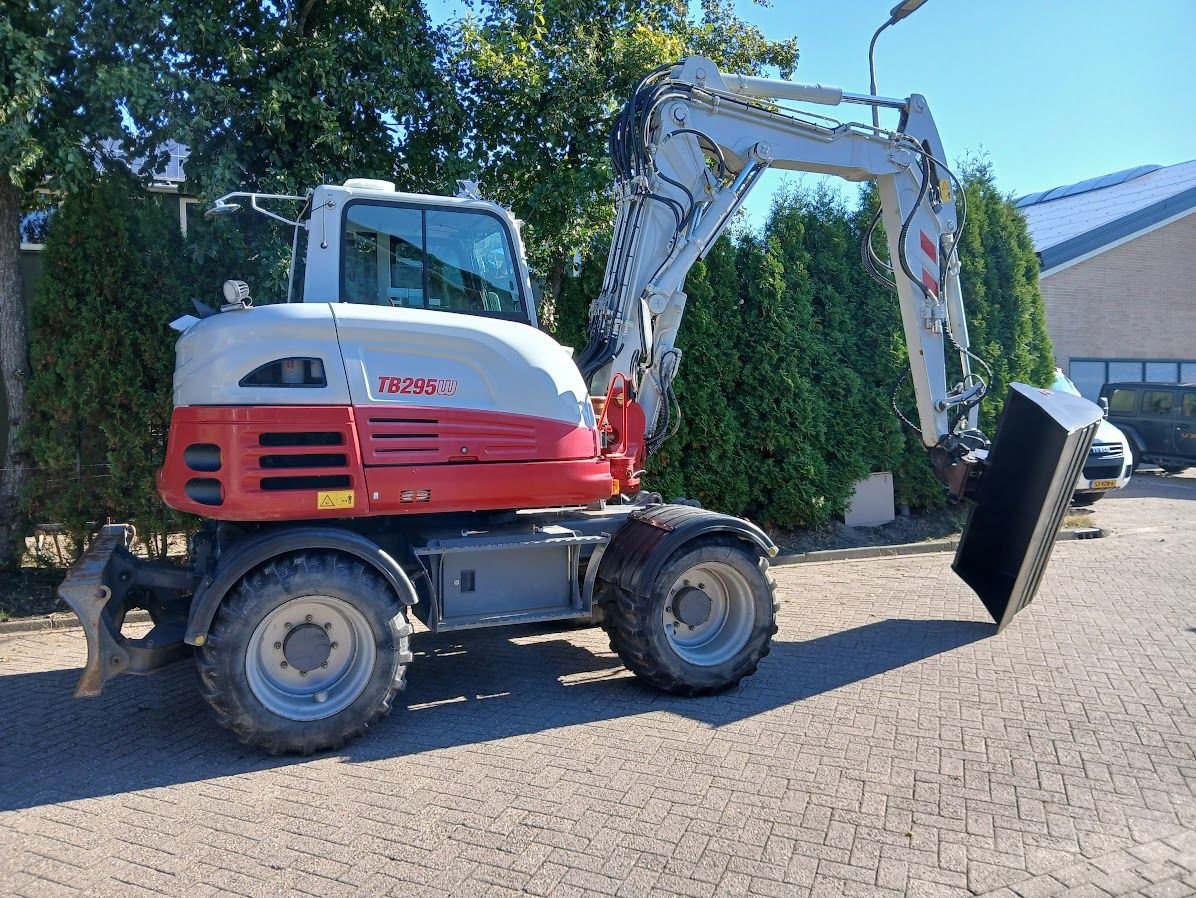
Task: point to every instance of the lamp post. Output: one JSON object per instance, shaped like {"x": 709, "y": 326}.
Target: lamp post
{"x": 902, "y": 10}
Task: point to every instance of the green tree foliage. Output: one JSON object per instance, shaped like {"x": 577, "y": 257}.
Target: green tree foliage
{"x": 278, "y": 97}
{"x": 103, "y": 358}
{"x": 709, "y": 458}
{"x": 541, "y": 82}
{"x": 74, "y": 73}
{"x": 792, "y": 354}
{"x": 999, "y": 277}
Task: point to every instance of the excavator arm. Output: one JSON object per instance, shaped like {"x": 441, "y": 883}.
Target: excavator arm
{"x": 687, "y": 150}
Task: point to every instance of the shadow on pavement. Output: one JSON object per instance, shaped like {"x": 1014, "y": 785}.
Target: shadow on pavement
{"x": 149, "y": 732}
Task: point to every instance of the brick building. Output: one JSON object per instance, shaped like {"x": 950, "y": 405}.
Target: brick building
{"x": 1118, "y": 277}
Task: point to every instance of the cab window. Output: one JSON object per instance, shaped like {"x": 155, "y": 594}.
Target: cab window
{"x": 1188, "y": 409}
{"x": 453, "y": 260}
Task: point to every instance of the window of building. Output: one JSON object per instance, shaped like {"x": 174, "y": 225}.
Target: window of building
{"x": 1124, "y": 371}
{"x": 1092, "y": 374}
{"x": 444, "y": 259}
{"x": 1163, "y": 372}
{"x": 1088, "y": 377}
{"x": 1157, "y": 402}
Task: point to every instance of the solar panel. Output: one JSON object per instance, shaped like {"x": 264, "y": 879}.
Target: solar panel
{"x": 1098, "y": 183}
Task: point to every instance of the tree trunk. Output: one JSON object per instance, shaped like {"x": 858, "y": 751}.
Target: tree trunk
{"x": 551, "y": 299}
{"x": 14, "y": 368}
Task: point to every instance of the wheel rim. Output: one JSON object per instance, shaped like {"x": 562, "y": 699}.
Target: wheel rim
{"x": 310, "y": 658}
{"x": 709, "y": 614}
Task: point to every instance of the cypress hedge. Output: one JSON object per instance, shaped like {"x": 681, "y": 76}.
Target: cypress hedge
{"x": 102, "y": 355}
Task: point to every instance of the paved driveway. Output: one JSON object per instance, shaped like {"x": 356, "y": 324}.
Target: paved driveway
{"x": 890, "y": 745}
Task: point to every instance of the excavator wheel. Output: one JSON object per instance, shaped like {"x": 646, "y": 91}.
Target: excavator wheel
{"x": 709, "y": 619}
{"x": 305, "y": 653}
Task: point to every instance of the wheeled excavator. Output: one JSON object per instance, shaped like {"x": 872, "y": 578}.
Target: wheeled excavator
{"x": 399, "y": 440}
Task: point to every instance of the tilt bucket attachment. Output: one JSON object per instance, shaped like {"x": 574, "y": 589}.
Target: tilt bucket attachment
{"x": 1042, "y": 441}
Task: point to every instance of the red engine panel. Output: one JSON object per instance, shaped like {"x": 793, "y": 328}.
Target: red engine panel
{"x": 263, "y": 463}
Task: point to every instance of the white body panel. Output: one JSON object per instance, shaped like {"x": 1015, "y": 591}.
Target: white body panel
{"x": 213, "y": 355}
{"x": 477, "y": 363}
{"x": 463, "y": 361}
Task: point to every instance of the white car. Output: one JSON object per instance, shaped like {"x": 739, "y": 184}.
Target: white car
{"x": 1110, "y": 460}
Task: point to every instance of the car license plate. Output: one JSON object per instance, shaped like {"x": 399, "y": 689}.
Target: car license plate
{"x": 1104, "y": 484}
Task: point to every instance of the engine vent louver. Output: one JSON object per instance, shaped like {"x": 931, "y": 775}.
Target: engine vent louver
{"x": 302, "y": 438}
{"x": 409, "y": 497}
{"x": 307, "y": 482}
{"x": 306, "y": 460}
{"x": 298, "y": 469}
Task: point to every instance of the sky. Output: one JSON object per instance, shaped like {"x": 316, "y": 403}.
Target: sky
{"x": 1051, "y": 91}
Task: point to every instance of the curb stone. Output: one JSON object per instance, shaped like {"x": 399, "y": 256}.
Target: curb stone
{"x": 60, "y": 620}
{"x": 939, "y": 545}
{"x": 66, "y": 620}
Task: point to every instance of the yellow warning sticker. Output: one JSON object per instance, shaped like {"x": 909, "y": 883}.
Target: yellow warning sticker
{"x": 335, "y": 499}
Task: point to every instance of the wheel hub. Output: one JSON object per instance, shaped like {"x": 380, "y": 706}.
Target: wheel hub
{"x": 692, "y": 606}
{"x": 306, "y": 647}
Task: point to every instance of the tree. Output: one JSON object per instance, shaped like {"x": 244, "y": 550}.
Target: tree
{"x": 999, "y": 277}
{"x": 541, "y": 82}
{"x": 102, "y": 360}
{"x": 76, "y": 72}
{"x": 279, "y": 97}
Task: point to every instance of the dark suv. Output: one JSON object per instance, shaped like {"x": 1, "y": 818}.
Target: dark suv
{"x": 1159, "y": 420}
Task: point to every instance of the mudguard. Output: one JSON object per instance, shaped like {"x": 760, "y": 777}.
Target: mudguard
{"x": 260, "y": 548}
{"x": 642, "y": 546}
{"x": 1042, "y": 440}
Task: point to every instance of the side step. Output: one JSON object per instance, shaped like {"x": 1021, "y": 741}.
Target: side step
{"x": 1042, "y": 441}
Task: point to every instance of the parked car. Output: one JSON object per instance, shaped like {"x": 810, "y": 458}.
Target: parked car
{"x": 1110, "y": 460}
{"x": 1159, "y": 419}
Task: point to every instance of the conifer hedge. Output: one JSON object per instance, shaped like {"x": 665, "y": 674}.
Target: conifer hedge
{"x": 102, "y": 355}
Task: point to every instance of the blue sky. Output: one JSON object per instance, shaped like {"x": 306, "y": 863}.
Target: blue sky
{"x": 1052, "y": 91}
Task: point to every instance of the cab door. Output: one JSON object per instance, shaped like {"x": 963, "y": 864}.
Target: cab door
{"x": 1185, "y": 427}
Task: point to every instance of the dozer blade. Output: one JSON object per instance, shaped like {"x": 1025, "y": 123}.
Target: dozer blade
{"x": 1042, "y": 440}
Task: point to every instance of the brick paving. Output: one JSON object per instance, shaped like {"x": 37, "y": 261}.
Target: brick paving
{"x": 889, "y": 746}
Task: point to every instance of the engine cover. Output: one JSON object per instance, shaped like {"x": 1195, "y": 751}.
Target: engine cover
{"x": 334, "y": 410}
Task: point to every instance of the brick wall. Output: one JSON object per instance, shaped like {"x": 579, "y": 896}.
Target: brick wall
{"x": 1135, "y": 301}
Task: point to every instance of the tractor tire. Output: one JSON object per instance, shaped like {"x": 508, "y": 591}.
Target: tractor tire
{"x": 707, "y": 623}
{"x": 305, "y": 653}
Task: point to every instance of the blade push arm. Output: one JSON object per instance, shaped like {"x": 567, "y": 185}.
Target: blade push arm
{"x": 687, "y": 150}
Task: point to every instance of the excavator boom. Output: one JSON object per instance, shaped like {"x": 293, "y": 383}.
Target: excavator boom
{"x": 689, "y": 147}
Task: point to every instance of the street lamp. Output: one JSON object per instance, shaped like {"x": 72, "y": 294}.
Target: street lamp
{"x": 902, "y": 10}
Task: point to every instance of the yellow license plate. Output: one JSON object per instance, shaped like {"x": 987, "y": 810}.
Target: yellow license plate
{"x": 1104, "y": 484}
